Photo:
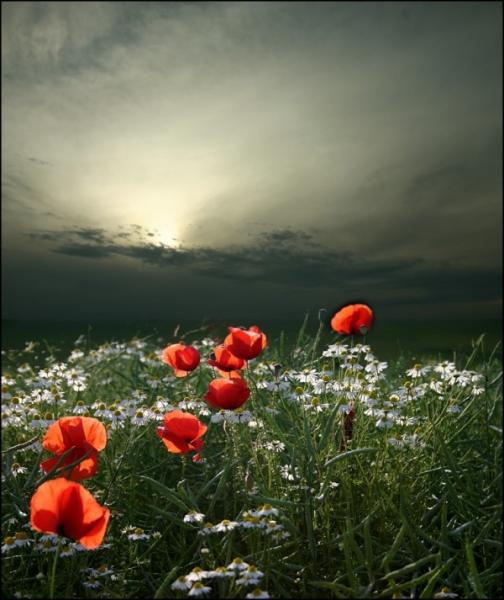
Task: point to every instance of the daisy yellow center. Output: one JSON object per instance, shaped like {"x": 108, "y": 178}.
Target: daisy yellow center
{"x": 9, "y": 540}
{"x": 21, "y": 535}
{"x": 138, "y": 531}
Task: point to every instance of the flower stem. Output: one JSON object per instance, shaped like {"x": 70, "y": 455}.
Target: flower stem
{"x": 53, "y": 570}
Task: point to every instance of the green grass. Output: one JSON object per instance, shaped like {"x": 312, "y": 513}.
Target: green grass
{"x": 364, "y": 519}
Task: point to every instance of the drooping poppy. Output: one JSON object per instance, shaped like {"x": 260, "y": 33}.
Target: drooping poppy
{"x": 66, "y": 508}
{"x": 226, "y": 362}
{"x": 181, "y": 432}
{"x": 246, "y": 343}
{"x": 80, "y": 437}
{"x": 227, "y": 393}
{"x": 354, "y": 318}
{"x": 182, "y": 358}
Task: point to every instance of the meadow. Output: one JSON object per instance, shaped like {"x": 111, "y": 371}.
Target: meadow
{"x": 342, "y": 475}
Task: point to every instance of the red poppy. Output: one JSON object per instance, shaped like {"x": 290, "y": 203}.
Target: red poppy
{"x": 227, "y": 393}
{"x": 82, "y": 438}
{"x": 181, "y": 432}
{"x": 246, "y": 343}
{"x": 66, "y": 508}
{"x": 226, "y": 362}
{"x": 182, "y": 358}
{"x": 354, "y": 318}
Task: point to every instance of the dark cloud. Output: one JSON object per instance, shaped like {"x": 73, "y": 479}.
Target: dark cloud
{"x": 290, "y": 259}
{"x": 84, "y": 250}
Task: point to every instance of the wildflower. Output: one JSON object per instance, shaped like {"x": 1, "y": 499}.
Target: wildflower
{"x": 17, "y": 469}
{"x": 82, "y": 438}
{"x": 21, "y": 539}
{"x": 197, "y": 574}
{"x": 275, "y": 446}
{"x": 252, "y": 522}
{"x": 181, "y": 432}
{"x": 272, "y": 526}
{"x": 240, "y": 416}
{"x": 104, "y": 570}
{"x": 246, "y": 343}
{"x": 66, "y": 508}
{"x": 80, "y": 408}
{"x": 225, "y": 525}
{"x": 194, "y": 517}
{"x": 250, "y": 575}
{"x": 9, "y": 544}
{"x": 67, "y": 550}
{"x": 220, "y": 573}
{"x": 237, "y": 565}
{"x": 418, "y": 371}
{"x": 258, "y": 593}
{"x": 141, "y": 417}
{"x": 226, "y": 362}
{"x": 92, "y": 584}
{"x": 288, "y": 473}
{"x": 181, "y": 583}
{"x": 182, "y": 358}
{"x": 138, "y": 535}
{"x": 445, "y": 593}
{"x": 198, "y": 589}
{"x": 207, "y": 529}
{"x": 353, "y": 319}
{"x": 264, "y": 511}
{"x": 227, "y": 393}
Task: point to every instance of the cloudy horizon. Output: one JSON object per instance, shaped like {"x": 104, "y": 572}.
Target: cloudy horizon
{"x": 222, "y": 158}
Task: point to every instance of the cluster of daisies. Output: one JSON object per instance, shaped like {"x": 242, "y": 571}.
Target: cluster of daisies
{"x": 237, "y": 573}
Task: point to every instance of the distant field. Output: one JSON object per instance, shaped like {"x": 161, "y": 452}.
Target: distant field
{"x": 389, "y": 339}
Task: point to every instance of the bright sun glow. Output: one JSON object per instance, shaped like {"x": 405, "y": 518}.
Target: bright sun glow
{"x": 167, "y": 237}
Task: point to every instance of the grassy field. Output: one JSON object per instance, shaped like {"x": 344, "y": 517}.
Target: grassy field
{"x": 401, "y": 497}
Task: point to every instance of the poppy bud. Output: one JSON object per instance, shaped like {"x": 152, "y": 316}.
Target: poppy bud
{"x": 322, "y": 314}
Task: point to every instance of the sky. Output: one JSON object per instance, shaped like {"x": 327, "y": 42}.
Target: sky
{"x": 190, "y": 160}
